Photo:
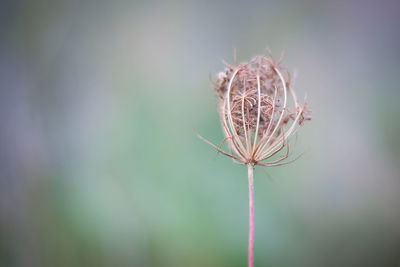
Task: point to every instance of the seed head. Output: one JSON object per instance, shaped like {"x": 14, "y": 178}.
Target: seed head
{"x": 259, "y": 111}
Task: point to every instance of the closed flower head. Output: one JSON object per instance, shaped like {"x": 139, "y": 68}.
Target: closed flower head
{"x": 259, "y": 111}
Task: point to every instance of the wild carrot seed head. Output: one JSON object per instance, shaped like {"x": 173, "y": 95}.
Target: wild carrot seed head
{"x": 259, "y": 110}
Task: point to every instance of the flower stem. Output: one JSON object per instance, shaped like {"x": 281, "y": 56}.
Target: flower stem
{"x": 251, "y": 216}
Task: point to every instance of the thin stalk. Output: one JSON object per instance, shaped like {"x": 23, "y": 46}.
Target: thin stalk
{"x": 251, "y": 215}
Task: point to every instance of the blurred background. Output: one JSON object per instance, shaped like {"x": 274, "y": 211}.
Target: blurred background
{"x": 101, "y": 103}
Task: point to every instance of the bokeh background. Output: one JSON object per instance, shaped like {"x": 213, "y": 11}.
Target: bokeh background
{"x": 101, "y": 103}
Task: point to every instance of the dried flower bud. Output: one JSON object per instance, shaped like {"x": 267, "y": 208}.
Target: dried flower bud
{"x": 259, "y": 110}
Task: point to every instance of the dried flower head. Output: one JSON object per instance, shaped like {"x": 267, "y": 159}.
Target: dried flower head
{"x": 259, "y": 111}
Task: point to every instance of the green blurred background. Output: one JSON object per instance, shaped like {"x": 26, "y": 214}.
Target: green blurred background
{"x": 101, "y": 102}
